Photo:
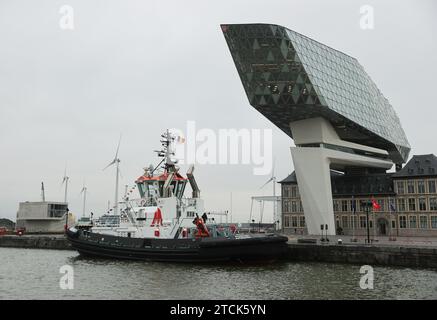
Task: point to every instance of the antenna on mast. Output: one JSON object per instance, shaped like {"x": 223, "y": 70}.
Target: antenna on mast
{"x": 167, "y": 151}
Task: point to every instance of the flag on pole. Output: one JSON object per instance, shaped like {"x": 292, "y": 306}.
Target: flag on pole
{"x": 375, "y": 205}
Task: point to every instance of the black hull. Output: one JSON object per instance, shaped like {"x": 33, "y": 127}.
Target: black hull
{"x": 258, "y": 248}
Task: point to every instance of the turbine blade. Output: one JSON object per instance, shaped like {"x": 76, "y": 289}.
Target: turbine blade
{"x": 266, "y": 182}
{"x": 63, "y": 180}
{"x": 118, "y": 147}
{"x": 273, "y": 168}
{"x": 110, "y": 164}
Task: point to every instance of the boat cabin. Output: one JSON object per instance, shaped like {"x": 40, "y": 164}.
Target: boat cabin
{"x": 155, "y": 186}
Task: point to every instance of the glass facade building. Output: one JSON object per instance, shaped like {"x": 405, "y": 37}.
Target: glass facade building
{"x": 288, "y": 77}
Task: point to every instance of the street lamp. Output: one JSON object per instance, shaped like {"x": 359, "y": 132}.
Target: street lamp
{"x": 367, "y": 204}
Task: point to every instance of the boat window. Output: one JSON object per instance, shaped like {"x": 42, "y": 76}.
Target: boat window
{"x": 161, "y": 188}
{"x": 183, "y": 184}
{"x": 142, "y": 189}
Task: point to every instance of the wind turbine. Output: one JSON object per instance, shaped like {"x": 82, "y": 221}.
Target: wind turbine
{"x": 65, "y": 180}
{"x": 83, "y": 191}
{"x": 272, "y": 179}
{"x": 116, "y": 161}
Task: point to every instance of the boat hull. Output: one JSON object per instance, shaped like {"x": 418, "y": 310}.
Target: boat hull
{"x": 255, "y": 248}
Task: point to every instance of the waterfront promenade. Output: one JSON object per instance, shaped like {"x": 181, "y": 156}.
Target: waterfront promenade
{"x": 380, "y": 240}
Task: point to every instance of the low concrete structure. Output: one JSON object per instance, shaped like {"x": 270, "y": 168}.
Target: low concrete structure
{"x": 43, "y": 217}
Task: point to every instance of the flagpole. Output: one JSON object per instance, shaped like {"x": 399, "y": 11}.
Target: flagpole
{"x": 397, "y": 223}
{"x": 374, "y": 222}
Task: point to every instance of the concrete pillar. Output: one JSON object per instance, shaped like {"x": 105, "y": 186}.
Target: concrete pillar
{"x": 318, "y": 149}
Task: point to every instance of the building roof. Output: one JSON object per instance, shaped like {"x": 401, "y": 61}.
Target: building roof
{"x": 291, "y": 178}
{"x": 419, "y": 166}
{"x": 288, "y": 77}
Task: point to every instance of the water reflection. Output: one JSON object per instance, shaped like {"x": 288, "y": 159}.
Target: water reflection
{"x": 34, "y": 274}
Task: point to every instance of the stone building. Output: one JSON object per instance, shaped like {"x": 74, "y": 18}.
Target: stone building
{"x": 407, "y": 201}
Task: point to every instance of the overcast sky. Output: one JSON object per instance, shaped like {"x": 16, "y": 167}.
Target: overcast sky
{"x": 139, "y": 67}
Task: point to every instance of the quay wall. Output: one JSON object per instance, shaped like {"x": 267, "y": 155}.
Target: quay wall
{"x": 390, "y": 255}
{"x": 35, "y": 242}
{"x": 385, "y": 255}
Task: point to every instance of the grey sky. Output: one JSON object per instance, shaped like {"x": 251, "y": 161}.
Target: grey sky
{"x": 139, "y": 67}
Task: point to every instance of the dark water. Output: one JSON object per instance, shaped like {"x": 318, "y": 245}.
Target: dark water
{"x": 35, "y": 274}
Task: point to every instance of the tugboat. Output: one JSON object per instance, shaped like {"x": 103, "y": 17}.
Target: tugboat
{"x": 163, "y": 225}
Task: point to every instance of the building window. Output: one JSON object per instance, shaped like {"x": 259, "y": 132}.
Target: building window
{"x": 300, "y": 206}
{"x": 434, "y": 222}
{"x": 336, "y": 207}
{"x": 401, "y": 205}
{"x": 344, "y": 205}
{"x": 294, "y": 221}
{"x": 302, "y": 221}
{"x": 422, "y": 204}
{"x": 423, "y": 220}
{"x": 363, "y": 205}
{"x": 413, "y": 222}
{"x": 410, "y": 187}
{"x": 391, "y": 205}
{"x": 433, "y": 204}
{"x": 400, "y": 187}
{"x": 344, "y": 222}
{"x": 286, "y": 221}
{"x": 421, "y": 186}
{"x": 293, "y": 206}
{"x": 363, "y": 221}
{"x": 293, "y": 192}
{"x": 393, "y": 224}
{"x": 412, "y": 204}
{"x": 353, "y": 205}
{"x": 431, "y": 186}
{"x": 286, "y": 206}
{"x": 402, "y": 222}
{"x": 381, "y": 204}
{"x": 286, "y": 191}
